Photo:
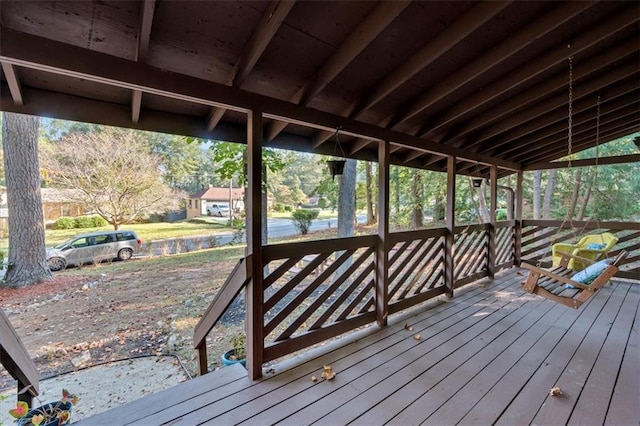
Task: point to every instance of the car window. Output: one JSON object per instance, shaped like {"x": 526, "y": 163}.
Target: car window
{"x": 101, "y": 239}
{"x": 80, "y": 242}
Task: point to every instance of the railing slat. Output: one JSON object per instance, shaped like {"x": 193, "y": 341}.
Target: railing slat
{"x": 16, "y": 360}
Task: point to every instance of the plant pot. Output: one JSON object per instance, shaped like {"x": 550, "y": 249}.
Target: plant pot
{"x": 47, "y": 408}
{"x": 336, "y": 167}
{"x": 229, "y": 359}
{"x": 477, "y": 182}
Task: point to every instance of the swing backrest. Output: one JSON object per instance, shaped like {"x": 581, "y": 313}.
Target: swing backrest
{"x": 607, "y": 238}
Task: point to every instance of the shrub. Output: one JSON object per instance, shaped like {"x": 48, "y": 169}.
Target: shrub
{"x": 99, "y": 221}
{"x": 64, "y": 223}
{"x": 302, "y": 219}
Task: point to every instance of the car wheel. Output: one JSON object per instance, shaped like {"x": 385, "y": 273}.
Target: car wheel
{"x": 125, "y": 254}
{"x": 56, "y": 264}
{"x": 219, "y": 214}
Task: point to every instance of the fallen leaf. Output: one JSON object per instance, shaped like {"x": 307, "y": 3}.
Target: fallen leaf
{"x": 327, "y": 372}
{"x": 555, "y": 391}
{"x": 417, "y": 337}
{"x": 408, "y": 327}
{"x": 314, "y": 379}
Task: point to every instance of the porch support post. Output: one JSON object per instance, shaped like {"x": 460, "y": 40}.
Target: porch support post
{"x": 517, "y": 232}
{"x": 254, "y": 294}
{"x": 449, "y": 239}
{"x": 382, "y": 251}
{"x": 491, "y": 246}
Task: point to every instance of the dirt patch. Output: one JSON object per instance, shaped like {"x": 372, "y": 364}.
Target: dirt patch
{"x": 108, "y": 314}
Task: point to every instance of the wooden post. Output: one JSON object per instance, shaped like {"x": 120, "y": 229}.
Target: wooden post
{"x": 449, "y": 249}
{"x": 254, "y": 294}
{"x": 382, "y": 252}
{"x": 491, "y": 246}
{"x": 517, "y": 232}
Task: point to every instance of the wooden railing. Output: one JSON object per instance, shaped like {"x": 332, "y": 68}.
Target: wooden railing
{"x": 317, "y": 290}
{"x": 230, "y": 289}
{"x": 538, "y": 236}
{"x": 16, "y": 360}
{"x": 416, "y": 267}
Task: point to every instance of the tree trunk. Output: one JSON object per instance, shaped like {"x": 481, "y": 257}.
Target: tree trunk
{"x": 396, "y": 182}
{"x": 585, "y": 201}
{"x": 371, "y": 218}
{"x": 263, "y": 206}
{"x": 482, "y": 201}
{"x": 417, "y": 197}
{"x": 347, "y": 200}
{"x": 27, "y": 260}
{"x": 548, "y": 194}
{"x": 574, "y": 196}
{"x": 537, "y": 179}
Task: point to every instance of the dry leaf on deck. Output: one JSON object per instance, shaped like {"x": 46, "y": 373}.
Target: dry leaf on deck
{"x": 328, "y": 373}
{"x": 408, "y": 327}
{"x": 417, "y": 336}
{"x": 555, "y": 391}
{"x": 314, "y": 379}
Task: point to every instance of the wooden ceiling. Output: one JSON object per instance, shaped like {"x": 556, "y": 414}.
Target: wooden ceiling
{"x": 487, "y": 82}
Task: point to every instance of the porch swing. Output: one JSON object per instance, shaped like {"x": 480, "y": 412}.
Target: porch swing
{"x": 562, "y": 284}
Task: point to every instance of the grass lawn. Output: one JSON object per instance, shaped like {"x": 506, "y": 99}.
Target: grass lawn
{"x": 324, "y": 214}
{"x": 148, "y": 231}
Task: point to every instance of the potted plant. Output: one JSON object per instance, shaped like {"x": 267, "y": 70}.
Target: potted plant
{"x": 237, "y": 354}
{"x": 55, "y": 413}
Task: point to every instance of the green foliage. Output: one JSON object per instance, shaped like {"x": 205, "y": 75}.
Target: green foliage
{"x": 64, "y": 223}
{"x": 302, "y": 219}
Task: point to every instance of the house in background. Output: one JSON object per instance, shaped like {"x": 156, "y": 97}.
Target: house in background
{"x": 196, "y": 204}
{"x": 58, "y": 202}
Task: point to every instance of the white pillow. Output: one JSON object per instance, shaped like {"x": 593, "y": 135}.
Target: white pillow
{"x": 589, "y": 274}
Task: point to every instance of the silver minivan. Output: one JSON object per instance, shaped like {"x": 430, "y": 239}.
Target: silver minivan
{"x": 92, "y": 248}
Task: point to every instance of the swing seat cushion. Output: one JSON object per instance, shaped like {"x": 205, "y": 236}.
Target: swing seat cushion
{"x": 594, "y": 246}
{"x": 590, "y": 273}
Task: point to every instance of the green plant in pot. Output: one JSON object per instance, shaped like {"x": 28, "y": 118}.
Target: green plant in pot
{"x": 55, "y": 413}
{"x": 237, "y": 354}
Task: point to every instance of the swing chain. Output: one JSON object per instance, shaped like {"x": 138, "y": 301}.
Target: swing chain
{"x": 570, "y": 124}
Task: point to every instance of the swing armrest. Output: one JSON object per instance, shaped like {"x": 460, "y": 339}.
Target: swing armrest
{"x": 555, "y": 277}
{"x": 566, "y": 257}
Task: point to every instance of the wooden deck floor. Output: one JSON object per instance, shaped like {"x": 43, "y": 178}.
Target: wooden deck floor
{"x": 490, "y": 355}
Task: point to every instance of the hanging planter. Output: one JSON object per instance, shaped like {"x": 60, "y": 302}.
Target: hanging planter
{"x": 336, "y": 167}
{"x": 476, "y": 182}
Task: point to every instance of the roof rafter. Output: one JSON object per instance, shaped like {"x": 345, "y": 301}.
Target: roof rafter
{"x": 544, "y": 62}
{"x": 147, "y": 9}
{"x": 556, "y": 122}
{"x": 14, "y": 83}
{"x": 431, "y": 51}
{"x": 273, "y": 17}
{"x": 27, "y": 50}
{"x": 584, "y": 90}
{"x": 487, "y": 61}
{"x": 355, "y": 43}
{"x": 584, "y": 137}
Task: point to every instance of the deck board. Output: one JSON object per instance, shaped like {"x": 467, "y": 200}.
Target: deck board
{"x": 489, "y": 355}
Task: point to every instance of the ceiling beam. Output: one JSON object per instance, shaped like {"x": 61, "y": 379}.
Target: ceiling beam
{"x": 273, "y": 17}
{"x": 584, "y": 138}
{"x": 35, "y": 52}
{"x": 558, "y": 141}
{"x": 556, "y": 122}
{"x": 528, "y": 97}
{"x": 353, "y": 45}
{"x": 587, "y": 89}
{"x": 620, "y": 159}
{"x": 609, "y": 135}
{"x": 452, "y": 35}
{"x": 359, "y": 144}
{"x": 14, "y": 83}
{"x": 147, "y": 9}
{"x": 491, "y": 59}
